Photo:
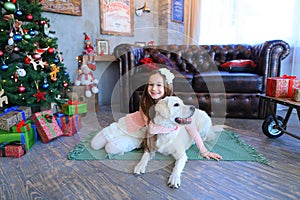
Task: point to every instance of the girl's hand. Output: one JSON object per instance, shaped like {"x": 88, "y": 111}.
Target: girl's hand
{"x": 209, "y": 155}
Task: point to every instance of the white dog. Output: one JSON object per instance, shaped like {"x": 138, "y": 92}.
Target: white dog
{"x": 172, "y": 112}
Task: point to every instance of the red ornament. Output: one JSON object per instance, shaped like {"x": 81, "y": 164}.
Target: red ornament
{"x": 54, "y": 80}
{"x": 21, "y": 89}
{"x": 51, "y": 50}
{"x": 40, "y": 96}
{"x": 36, "y": 56}
{"x": 14, "y": 1}
{"x": 29, "y": 17}
{"x": 1, "y": 53}
{"x": 65, "y": 84}
{"x": 27, "y": 60}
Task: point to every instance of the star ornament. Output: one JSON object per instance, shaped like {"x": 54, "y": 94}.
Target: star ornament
{"x": 40, "y": 96}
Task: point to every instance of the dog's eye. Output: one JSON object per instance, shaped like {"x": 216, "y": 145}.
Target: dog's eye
{"x": 176, "y": 105}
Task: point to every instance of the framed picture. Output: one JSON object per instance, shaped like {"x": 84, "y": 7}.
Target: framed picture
{"x": 140, "y": 44}
{"x": 116, "y": 17}
{"x": 70, "y": 7}
{"x": 102, "y": 47}
{"x": 177, "y": 11}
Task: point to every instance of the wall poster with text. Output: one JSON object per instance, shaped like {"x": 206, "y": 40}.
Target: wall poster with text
{"x": 116, "y": 17}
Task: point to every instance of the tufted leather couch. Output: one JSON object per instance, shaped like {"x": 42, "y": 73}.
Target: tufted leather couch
{"x": 200, "y": 79}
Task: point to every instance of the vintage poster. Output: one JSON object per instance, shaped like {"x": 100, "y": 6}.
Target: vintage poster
{"x": 116, "y": 17}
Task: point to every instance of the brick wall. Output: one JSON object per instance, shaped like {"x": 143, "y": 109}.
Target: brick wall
{"x": 169, "y": 32}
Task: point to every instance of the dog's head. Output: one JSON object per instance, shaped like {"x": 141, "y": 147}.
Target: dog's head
{"x": 171, "y": 111}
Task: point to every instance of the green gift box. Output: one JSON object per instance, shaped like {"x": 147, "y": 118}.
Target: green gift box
{"x": 74, "y": 107}
{"x": 28, "y": 138}
{"x": 13, "y": 115}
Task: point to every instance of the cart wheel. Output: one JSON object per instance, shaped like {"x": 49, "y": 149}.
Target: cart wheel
{"x": 269, "y": 127}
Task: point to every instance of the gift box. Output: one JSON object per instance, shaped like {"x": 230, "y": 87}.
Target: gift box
{"x": 15, "y": 150}
{"x": 68, "y": 124}
{"x": 277, "y": 87}
{"x": 13, "y": 115}
{"x": 74, "y": 107}
{"x": 296, "y": 94}
{"x": 46, "y": 125}
{"x": 26, "y": 137}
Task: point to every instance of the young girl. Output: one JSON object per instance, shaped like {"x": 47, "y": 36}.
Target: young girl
{"x": 130, "y": 131}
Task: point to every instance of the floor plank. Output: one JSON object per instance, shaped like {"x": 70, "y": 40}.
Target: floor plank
{"x": 46, "y": 173}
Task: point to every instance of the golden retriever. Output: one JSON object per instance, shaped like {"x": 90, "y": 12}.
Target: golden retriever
{"x": 172, "y": 112}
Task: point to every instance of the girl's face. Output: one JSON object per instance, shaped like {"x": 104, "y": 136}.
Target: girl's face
{"x": 156, "y": 86}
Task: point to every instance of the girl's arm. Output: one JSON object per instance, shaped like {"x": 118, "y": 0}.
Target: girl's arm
{"x": 199, "y": 142}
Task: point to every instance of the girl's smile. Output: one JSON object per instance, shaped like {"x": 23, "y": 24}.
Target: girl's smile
{"x": 156, "y": 86}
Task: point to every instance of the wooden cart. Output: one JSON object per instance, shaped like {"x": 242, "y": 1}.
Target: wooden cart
{"x": 274, "y": 125}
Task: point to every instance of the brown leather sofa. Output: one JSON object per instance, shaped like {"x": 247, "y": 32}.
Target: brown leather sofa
{"x": 200, "y": 78}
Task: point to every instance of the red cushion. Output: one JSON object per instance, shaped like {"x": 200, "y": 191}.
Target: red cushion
{"x": 239, "y": 63}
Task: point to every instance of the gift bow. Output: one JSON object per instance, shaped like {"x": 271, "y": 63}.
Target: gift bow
{"x": 70, "y": 102}
{"x": 289, "y": 77}
{"x": 21, "y": 124}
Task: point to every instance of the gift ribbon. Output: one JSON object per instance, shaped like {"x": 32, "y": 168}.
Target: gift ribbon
{"x": 58, "y": 119}
{"x": 75, "y": 103}
{"x": 22, "y": 124}
{"x": 47, "y": 122}
{"x": 14, "y": 108}
{"x": 291, "y": 83}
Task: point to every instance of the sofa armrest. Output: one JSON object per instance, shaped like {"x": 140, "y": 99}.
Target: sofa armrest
{"x": 268, "y": 57}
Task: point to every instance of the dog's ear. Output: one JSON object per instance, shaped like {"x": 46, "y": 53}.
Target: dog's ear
{"x": 162, "y": 108}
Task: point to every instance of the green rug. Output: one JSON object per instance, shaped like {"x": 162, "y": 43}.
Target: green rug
{"x": 229, "y": 145}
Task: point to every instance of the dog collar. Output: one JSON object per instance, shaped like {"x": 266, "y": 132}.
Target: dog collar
{"x": 158, "y": 129}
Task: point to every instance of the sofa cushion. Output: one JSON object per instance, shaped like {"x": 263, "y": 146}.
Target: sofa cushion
{"x": 232, "y": 82}
{"x": 239, "y": 66}
{"x": 164, "y": 60}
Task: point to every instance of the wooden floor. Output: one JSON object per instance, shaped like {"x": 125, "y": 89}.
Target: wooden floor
{"x": 46, "y": 173}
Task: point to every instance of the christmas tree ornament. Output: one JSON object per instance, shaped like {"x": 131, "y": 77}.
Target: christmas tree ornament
{"x": 17, "y": 49}
{"x": 14, "y": 1}
{"x": 21, "y": 72}
{"x": 9, "y": 6}
{"x": 4, "y": 66}
{"x": 46, "y": 29}
{"x": 21, "y": 89}
{"x": 27, "y": 36}
{"x": 56, "y": 60}
{"x": 16, "y": 76}
{"x": 31, "y": 32}
{"x": 3, "y": 98}
{"x": 27, "y": 60}
{"x": 11, "y": 40}
{"x": 54, "y": 72}
{"x": 9, "y": 48}
{"x": 29, "y": 17}
{"x": 39, "y": 95}
{"x": 19, "y": 13}
{"x": 1, "y": 53}
{"x": 65, "y": 84}
{"x": 37, "y": 56}
{"x": 17, "y": 37}
{"x": 45, "y": 84}
{"x": 51, "y": 50}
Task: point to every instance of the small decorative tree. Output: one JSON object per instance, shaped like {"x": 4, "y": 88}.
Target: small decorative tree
{"x": 32, "y": 69}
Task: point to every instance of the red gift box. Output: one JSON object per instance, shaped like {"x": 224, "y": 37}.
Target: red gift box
{"x": 277, "y": 87}
{"x": 15, "y": 150}
{"x": 46, "y": 125}
{"x": 68, "y": 124}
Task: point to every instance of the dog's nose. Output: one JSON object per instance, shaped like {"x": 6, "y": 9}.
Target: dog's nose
{"x": 192, "y": 108}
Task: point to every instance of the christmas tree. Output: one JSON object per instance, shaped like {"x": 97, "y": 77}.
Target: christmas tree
{"x": 32, "y": 69}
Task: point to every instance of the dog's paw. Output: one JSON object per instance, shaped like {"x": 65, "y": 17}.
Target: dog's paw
{"x": 174, "y": 181}
{"x": 139, "y": 169}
